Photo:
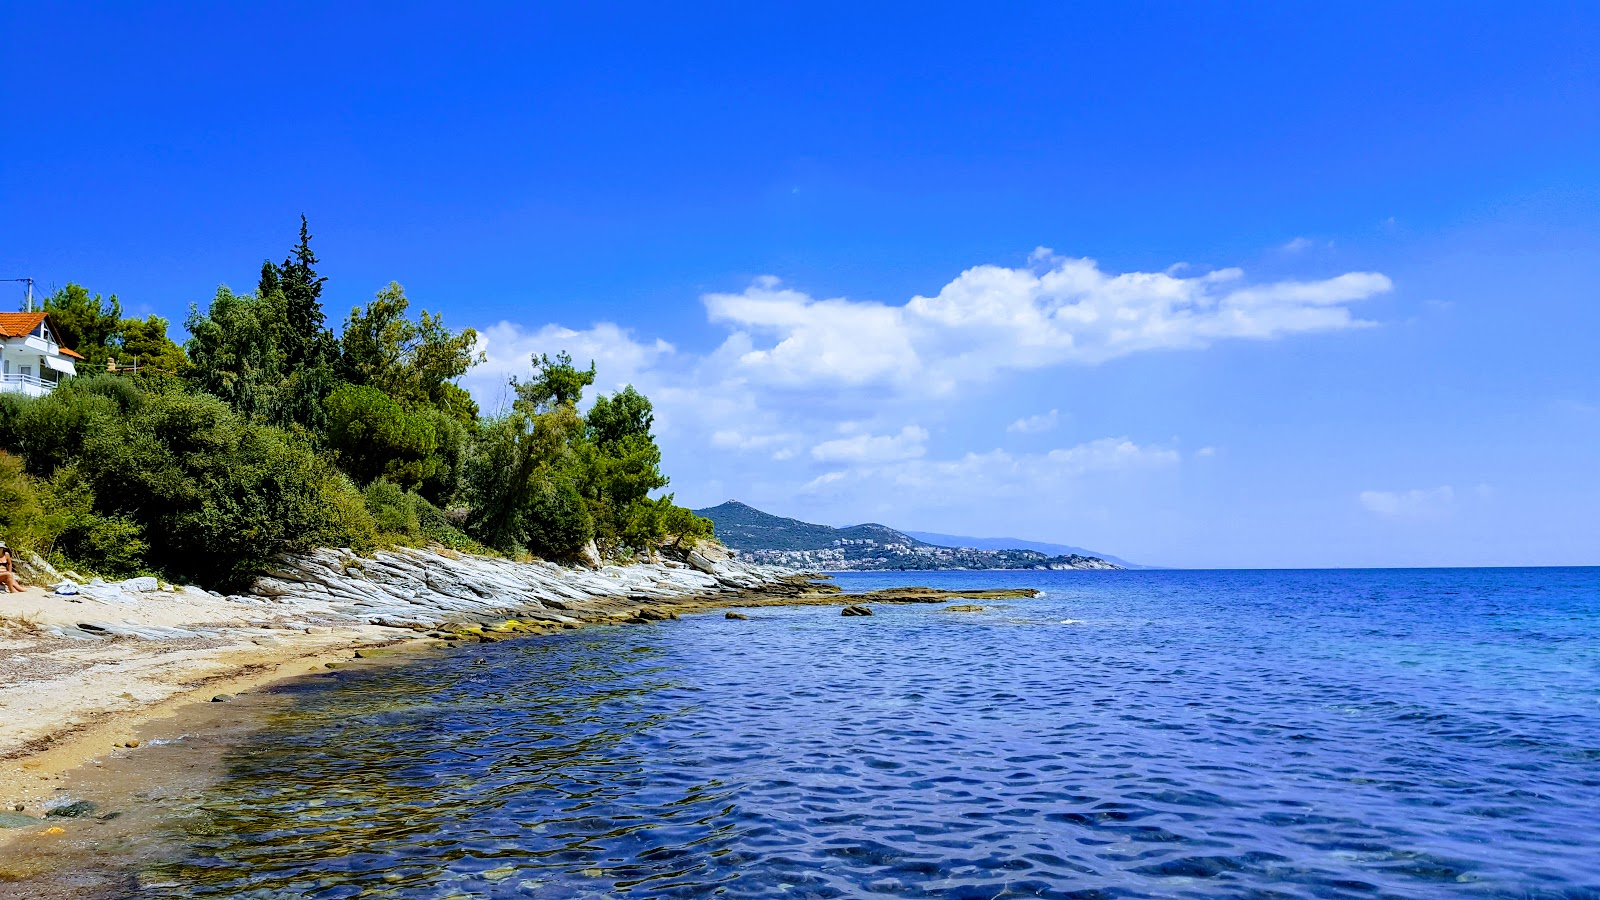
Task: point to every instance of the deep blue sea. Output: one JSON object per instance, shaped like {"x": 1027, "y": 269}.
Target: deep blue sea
{"x": 1420, "y": 733}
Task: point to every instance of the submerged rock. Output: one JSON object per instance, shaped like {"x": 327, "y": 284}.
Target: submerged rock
{"x": 734, "y": 615}
{"x": 964, "y": 607}
{"x": 74, "y": 810}
{"x": 855, "y": 611}
{"x": 16, "y": 820}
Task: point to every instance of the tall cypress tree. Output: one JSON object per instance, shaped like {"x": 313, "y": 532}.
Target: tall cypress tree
{"x": 309, "y": 340}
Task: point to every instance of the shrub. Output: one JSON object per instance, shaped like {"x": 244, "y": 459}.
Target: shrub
{"x": 349, "y": 524}
{"x": 22, "y": 517}
{"x": 84, "y": 539}
{"x": 375, "y": 437}
{"x": 555, "y": 523}
{"x": 394, "y": 512}
{"x": 218, "y": 498}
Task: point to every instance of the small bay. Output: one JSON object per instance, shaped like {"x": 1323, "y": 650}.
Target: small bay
{"x": 1406, "y": 733}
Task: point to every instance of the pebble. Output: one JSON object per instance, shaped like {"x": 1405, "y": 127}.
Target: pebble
{"x": 222, "y": 698}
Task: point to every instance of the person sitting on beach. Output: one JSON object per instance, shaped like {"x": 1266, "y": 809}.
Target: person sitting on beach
{"x": 8, "y": 570}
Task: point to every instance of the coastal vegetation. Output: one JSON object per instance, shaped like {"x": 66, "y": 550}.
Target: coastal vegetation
{"x": 267, "y": 433}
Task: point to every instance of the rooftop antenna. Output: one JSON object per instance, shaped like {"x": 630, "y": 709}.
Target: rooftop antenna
{"x": 29, "y": 283}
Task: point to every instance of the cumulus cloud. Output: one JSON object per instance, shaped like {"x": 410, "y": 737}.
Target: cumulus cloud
{"x": 1057, "y": 310}
{"x": 909, "y": 443}
{"x": 509, "y": 349}
{"x": 811, "y": 340}
{"x": 1412, "y": 504}
{"x": 1036, "y": 424}
{"x": 761, "y": 407}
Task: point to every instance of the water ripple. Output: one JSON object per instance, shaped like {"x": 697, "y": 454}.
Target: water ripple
{"x": 1301, "y": 734}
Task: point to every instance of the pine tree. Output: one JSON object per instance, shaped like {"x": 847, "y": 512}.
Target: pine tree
{"x": 308, "y": 340}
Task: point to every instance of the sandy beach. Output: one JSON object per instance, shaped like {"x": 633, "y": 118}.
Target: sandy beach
{"x": 79, "y": 673}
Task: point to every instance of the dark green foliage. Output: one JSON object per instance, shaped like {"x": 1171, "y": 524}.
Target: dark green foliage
{"x": 216, "y": 497}
{"x": 555, "y": 522}
{"x": 619, "y": 465}
{"x": 555, "y": 383}
{"x": 683, "y": 527}
{"x": 85, "y": 322}
{"x": 11, "y": 411}
{"x": 415, "y": 362}
{"x": 514, "y": 456}
{"x": 236, "y": 351}
{"x": 615, "y": 419}
{"x": 144, "y": 343}
{"x": 393, "y": 510}
{"x": 375, "y": 437}
{"x": 405, "y": 517}
{"x": 270, "y": 436}
{"x": 83, "y": 538}
{"x": 21, "y": 513}
{"x": 544, "y": 479}
{"x": 55, "y": 427}
{"x": 307, "y": 341}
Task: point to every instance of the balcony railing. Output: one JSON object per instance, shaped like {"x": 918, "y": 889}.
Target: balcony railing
{"x": 18, "y": 383}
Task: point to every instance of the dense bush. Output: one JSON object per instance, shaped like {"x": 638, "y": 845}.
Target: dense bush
{"x": 218, "y": 498}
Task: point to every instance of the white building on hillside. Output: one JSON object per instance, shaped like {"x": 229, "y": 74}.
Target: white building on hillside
{"x": 32, "y": 361}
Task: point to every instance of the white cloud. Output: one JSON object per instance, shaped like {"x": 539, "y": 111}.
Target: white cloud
{"x": 1295, "y": 245}
{"x": 909, "y": 443}
{"x": 1206, "y": 452}
{"x": 1036, "y": 424}
{"x": 619, "y": 358}
{"x": 1412, "y": 504}
{"x": 1056, "y": 311}
{"x": 1110, "y": 454}
{"x": 758, "y": 413}
{"x": 826, "y": 340}
{"x": 997, "y": 472}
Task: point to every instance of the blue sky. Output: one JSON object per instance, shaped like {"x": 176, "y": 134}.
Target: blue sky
{"x": 1320, "y": 286}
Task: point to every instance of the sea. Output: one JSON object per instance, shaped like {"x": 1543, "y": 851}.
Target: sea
{"x": 1327, "y": 734}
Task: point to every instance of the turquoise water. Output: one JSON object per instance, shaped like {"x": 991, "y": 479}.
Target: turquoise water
{"x": 1129, "y": 734}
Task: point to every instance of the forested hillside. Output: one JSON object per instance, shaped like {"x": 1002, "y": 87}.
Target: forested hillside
{"x": 268, "y": 432}
{"x": 766, "y": 538}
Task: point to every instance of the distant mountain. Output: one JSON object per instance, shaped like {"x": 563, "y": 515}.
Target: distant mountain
{"x": 1005, "y": 543}
{"x": 764, "y": 537}
{"x": 743, "y": 527}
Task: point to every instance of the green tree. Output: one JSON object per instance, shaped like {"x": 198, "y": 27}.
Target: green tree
{"x": 86, "y": 323}
{"x": 374, "y": 437}
{"x": 236, "y": 350}
{"x": 416, "y": 362}
{"x": 517, "y": 479}
{"x": 555, "y": 383}
{"x": 307, "y": 342}
{"x": 144, "y": 342}
{"x": 619, "y": 465}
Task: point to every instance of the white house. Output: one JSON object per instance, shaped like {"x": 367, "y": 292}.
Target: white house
{"x": 32, "y": 362}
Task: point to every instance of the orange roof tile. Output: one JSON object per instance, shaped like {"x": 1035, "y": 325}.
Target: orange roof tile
{"x": 20, "y": 324}
{"x": 17, "y": 324}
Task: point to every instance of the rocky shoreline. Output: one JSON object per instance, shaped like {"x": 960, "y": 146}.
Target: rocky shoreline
{"x": 86, "y": 664}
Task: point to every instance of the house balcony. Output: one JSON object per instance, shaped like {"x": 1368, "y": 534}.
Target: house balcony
{"x": 29, "y": 385}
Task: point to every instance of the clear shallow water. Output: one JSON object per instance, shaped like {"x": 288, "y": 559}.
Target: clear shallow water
{"x": 1201, "y": 734}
